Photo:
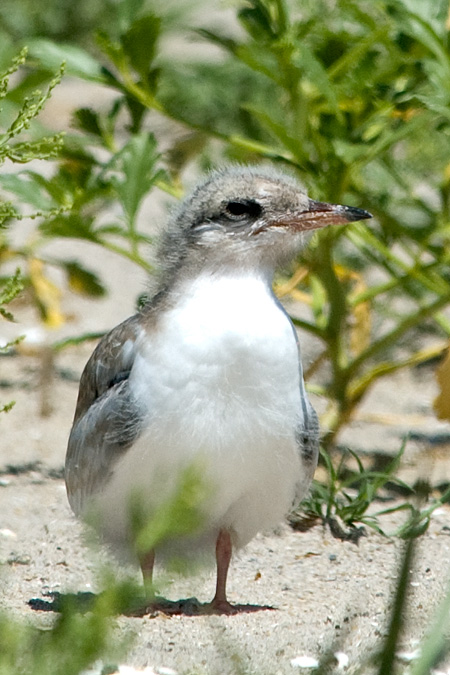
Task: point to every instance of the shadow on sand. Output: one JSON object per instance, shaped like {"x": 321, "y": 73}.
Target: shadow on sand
{"x": 84, "y": 602}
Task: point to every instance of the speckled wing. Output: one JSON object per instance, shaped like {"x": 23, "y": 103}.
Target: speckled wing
{"x": 107, "y": 418}
{"x": 308, "y": 434}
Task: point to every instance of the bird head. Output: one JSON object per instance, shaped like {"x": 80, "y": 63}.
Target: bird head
{"x": 246, "y": 218}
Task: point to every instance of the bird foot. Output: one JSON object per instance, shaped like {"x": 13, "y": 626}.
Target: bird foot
{"x": 191, "y": 607}
{"x": 222, "y": 607}
{"x": 158, "y": 606}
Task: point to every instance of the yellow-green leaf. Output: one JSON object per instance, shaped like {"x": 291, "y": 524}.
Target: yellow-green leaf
{"x": 441, "y": 403}
{"x": 47, "y": 294}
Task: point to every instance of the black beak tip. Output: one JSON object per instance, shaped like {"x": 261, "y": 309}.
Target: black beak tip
{"x": 352, "y": 214}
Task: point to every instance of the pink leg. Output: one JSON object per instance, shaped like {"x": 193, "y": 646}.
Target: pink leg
{"x": 223, "y": 557}
{"x": 147, "y": 562}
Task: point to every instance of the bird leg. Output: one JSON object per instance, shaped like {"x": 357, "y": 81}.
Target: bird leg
{"x": 147, "y": 561}
{"x": 219, "y": 603}
{"x": 223, "y": 557}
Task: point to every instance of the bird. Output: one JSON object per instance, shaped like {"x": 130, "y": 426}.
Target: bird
{"x": 207, "y": 373}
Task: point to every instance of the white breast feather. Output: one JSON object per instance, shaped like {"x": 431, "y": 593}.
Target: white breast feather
{"x": 220, "y": 382}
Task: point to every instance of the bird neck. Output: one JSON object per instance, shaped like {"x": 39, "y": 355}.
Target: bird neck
{"x": 221, "y": 286}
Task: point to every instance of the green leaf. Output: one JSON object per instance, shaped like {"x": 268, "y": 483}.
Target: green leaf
{"x": 349, "y": 152}
{"x": 56, "y": 187}
{"x": 78, "y": 61}
{"x": 305, "y": 59}
{"x": 279, "y": 130}
{"x": 25, "y": 188}
{"x": 87, "y": 120}
{"x": 29, "y": 108}
{"x": 9, "y": 290}
{"x": 7, "y": 211}
{"x": 127, "y": 10}
{"x": 136, "y": 163}
{"x": 423, "y": 32}
{"x": 257, "y": 22}
{"x": 256, "y": 56}
{"x": 7, "y": 49}
{"x": 71, "y": 225}
{"x": 112, "y": 49}
{"x": 227, "y": 43}
{"x": 82, "y": 280}
{"x": 265, "y": 20}
{"x": 140, "y": 42}
{"x": 181, "y": 514}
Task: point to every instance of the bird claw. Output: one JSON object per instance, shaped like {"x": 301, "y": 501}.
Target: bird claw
{"x": 222, "y": 607}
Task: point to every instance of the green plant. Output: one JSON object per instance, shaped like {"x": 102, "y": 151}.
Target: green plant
{"x": 66, "y": 203}
{"x": 435, "y": 646}
{"x": 347, "y": 498}
{"x": 9, "y": 289}
{"x": 71, "y": 645}
{"x": 20, "y": 146}
{"x": 83, "y": 629}
{"x": 347, "y": 495}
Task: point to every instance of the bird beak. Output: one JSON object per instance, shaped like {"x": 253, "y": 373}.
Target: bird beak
{"x": 320, "y": 214}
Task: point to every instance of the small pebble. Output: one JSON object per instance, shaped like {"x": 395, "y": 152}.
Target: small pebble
{"x": 342, "y": 660}
{"x": 129, "y": 670}
{"x": 304, "y": 662}
{"x": 8, "y": 534}
{"x": 407, "y": 657}
{"x": 19, "y": 559}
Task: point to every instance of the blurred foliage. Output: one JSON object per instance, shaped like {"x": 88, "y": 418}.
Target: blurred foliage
{"x": 10, "y": 288}
{"x": 66, "y": 200}
{"x": 76, "y": 22}
{"x": 74, "y": 641}
{"x": 82, "y": 631}
{"x": 60, "y": 21}
{"x": 180, "y": 517}
{"x": 17, "y": 146}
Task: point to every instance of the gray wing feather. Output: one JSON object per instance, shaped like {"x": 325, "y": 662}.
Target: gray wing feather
{"x": 107, "y": 418}
{"x": 307, "y": 433}
{"x": 307, "y": 436}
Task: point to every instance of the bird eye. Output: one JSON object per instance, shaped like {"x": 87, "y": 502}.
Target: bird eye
{"x": 242, "y": 209}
